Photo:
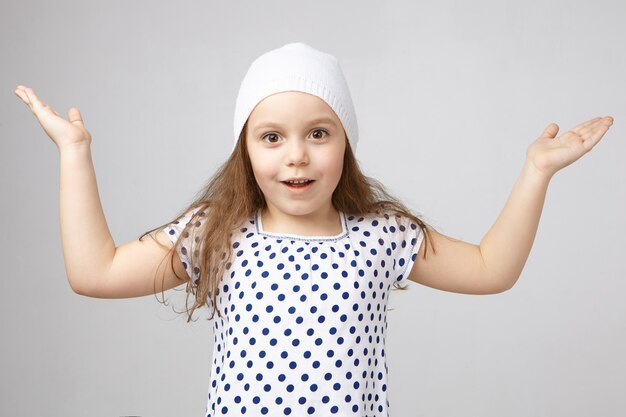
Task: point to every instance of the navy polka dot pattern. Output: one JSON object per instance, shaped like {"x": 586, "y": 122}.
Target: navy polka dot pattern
{"x": 304, "y": 318}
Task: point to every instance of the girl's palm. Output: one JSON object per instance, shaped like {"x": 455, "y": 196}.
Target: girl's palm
{"x": 64, "y": 133}
{"x": 550, "y": 153}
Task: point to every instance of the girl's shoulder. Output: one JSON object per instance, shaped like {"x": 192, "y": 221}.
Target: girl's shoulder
{"x": 382, "y": 219}
{"x": 186, "y": 230}
{"x": 377, "y": 225}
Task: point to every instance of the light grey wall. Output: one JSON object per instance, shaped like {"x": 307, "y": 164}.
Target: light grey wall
{"x": 448, "y": 94}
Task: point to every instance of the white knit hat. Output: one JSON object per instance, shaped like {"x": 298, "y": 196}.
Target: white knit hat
{"x": 297, "y": 67}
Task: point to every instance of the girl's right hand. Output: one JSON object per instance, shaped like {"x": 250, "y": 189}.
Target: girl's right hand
{"x": 64, "y": 133}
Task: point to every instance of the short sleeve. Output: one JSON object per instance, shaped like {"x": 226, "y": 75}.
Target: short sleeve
{"x": 408, "y": 237}
{"x": 187, "y": 246}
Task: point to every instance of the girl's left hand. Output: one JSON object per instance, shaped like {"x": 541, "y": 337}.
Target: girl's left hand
{"x": 549, "y": 153}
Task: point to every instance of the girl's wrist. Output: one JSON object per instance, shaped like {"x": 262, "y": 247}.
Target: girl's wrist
{"x": 75, "y": 148}
{"x": 530, "y": 171}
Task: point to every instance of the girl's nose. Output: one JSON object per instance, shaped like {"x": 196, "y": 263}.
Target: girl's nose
{"x": 297, "y": 153}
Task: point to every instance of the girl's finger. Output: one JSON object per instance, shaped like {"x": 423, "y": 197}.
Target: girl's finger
{"x": 36, "y": 102}
{"x": 590, "y": 129}
{"x": 32, "y": 97}
{"x": 586, "y": 124}
{"x": 594, "y": 137}
{"x": 22, "y": 94}
{"x": 74, "y": 116}
{"x": 37, "y": 105}
{"x": 550, "y": 131}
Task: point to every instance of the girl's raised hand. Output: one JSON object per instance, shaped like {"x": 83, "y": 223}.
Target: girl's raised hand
{"x": 64, "y": 133}
{"x": 549, "y": 153}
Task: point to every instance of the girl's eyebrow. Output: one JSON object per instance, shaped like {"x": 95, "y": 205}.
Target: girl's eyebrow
{"x": 323, "y": 119}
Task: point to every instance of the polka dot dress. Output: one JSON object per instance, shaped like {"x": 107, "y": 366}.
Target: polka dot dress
{"x": 304, "y": 318}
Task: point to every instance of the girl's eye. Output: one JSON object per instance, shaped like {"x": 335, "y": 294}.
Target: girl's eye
{"x": 319, "y": 130}
{"x": 270, "y": 138}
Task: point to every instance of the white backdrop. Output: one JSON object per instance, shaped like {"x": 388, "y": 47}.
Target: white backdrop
{"x": 448, "y": 96}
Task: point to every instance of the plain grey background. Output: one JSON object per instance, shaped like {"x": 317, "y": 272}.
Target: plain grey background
{"x": 448, "y": 96}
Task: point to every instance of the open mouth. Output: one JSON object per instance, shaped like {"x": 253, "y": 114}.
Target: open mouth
{"x": 298, "y": 183}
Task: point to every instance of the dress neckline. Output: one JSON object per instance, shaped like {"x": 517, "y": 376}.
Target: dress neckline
{"x": 259, "y": 229}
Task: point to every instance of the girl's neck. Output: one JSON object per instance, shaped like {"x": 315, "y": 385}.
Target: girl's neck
{"x": 321, "y": 223}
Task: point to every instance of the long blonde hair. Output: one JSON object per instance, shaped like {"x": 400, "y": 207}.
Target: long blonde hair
{"x": 232, "y": 196}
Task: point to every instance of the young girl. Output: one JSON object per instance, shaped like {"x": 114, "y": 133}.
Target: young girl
{"x": 292, "y": 246}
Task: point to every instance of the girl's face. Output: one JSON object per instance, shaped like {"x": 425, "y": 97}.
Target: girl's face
{"x": 296, "y": 145}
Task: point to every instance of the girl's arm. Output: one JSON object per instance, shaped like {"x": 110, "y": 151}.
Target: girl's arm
{"x": 496, "y": 264}
{"x": 94, "y": 266}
